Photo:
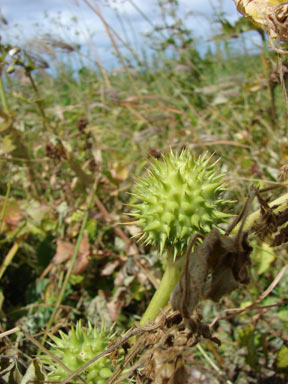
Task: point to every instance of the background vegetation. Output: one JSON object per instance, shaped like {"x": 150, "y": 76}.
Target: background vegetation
{"x": 72, "y": 143}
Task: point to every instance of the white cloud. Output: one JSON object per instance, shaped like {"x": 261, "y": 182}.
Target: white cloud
{"x": 29, "y": 15}
{"x": 36, "y": 18}
{"x": 127, "y": 7}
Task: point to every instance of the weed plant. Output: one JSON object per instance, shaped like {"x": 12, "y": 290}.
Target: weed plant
{"x": 71, "y": 146}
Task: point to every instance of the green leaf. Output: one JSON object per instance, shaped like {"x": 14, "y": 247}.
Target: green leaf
{"x": 282, "y": 359}
{"x": 263, "y": 256}
{"x": 34, "y": 373}
{"x": 76, "y": 279}
{"x": 244, "y": 335}
{"x": 13, "y": 376}
{"x": 92, "y": 229}
{"x": 37, "y": 211}
{"x": 247, "y": 338}
{"x": 283, "y": 315}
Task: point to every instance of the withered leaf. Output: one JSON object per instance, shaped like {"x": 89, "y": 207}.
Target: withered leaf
{"x": 281, "y": 237}
{"x": 169, "y": 366}
{"x": 12, "y": 215}
{"x": 65, "y": 250}
{"x": 117, "y": 303}
{"x": 214, "y": 269}
{"x": 187, "y": 292}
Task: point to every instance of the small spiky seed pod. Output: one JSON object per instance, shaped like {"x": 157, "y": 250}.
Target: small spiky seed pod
{"x": 179, "y": 196}
{"x": 75, "y": 349}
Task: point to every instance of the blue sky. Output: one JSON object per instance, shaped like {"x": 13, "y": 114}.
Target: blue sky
{"x": 29, "y": 20}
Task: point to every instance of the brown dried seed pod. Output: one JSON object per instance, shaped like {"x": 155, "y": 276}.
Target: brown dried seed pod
{"x": 270, "y": 15}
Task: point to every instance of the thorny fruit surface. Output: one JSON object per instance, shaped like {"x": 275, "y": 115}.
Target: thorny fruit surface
{"x": 179, "y": 196}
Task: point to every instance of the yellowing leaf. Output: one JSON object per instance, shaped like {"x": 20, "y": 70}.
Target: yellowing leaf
{"x": 119, "y": 172}
{"x": 7, "y": 145}
{"x": 245, "y": 304}
{"x": 13, "y": 214}
{"x": 4, "y": 125}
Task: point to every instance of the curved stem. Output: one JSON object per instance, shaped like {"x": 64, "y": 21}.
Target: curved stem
{"x": 162, "y": 295}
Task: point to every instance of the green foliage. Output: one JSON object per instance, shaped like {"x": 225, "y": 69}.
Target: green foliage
{"x": 59, "y": 133}
{"x": 282, "y": 359}
{"x": 263, "y": 256}
{"x": 247, "y": 338}
{"x": 242, "y": 25}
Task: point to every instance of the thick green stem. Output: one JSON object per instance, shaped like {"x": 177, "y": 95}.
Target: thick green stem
{"x": 162, "y": 295}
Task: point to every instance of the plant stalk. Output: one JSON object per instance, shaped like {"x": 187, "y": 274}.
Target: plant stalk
{"x": 10, "y": 256}
{"x": 4, "y": 207}
{"x": 162, "y": 295}
{"x": 3, "y": 97}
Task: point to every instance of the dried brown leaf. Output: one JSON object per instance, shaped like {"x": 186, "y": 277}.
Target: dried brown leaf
{"x": 214, "y": 269}
{"x": 110, "y": 268}
{"x": 65, "y": 251}
{"x": 13, "y": 214}
{"x": 118, "y": 301}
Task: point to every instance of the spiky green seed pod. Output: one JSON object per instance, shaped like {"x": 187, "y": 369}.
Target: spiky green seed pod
{"x": 75, "y": 349}
{"x": 179, "y": 196}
